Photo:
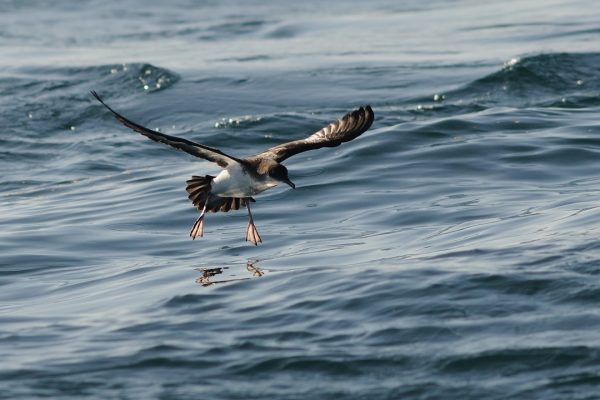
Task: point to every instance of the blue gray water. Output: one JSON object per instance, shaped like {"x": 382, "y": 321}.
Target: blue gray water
{"x": 450, "y": 252}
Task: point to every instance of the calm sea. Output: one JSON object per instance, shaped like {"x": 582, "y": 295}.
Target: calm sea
{"x": 451, "y": 252}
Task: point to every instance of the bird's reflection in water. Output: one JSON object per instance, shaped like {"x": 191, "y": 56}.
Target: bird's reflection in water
{"x": 209, "y": 273}
{"x": 253, "y": 269}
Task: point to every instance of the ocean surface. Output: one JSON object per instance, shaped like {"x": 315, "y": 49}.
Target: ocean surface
{"x": 451, "y": 252}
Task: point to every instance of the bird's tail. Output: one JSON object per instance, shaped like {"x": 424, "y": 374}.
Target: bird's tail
{"x": 198, "y": 189}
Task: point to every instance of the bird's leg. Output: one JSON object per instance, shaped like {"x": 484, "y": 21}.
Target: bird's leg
{"x": 198, "y": 228}
{"x": 251, "y": 232}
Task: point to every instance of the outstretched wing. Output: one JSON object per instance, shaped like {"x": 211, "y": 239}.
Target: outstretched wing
{"x": 351, "y": 126}
{"x": 195, "y": 149}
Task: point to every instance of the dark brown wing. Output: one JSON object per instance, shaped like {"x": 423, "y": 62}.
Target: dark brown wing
{"x": 195, "y": 149}
{"x": 351, "y": 126}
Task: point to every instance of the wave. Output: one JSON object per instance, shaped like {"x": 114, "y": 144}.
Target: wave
{"x": 547, "y": 80}
{"x": 57, "y": 99}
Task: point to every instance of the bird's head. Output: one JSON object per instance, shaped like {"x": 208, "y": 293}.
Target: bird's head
{"x": 280, "y": 173}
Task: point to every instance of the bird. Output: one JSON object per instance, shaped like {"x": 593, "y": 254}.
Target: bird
{"x": 242, "y": 178}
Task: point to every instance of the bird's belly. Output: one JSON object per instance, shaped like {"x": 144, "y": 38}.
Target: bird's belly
{"x": 236, "y": 183}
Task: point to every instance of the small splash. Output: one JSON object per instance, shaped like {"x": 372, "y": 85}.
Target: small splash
{"x": 511, "y": 63}
{"x": 151, "y": 78}
{"x": 117, "y": 69}
{"x": 148, "y": 76}
{"x": 424, "y": 107}
{"x": 237, "y": 121}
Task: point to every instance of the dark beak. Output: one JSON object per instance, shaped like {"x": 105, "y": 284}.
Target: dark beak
{"x": 290, "y": 183}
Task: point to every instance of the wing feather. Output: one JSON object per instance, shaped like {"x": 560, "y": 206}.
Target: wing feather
{"x": 349, "y": 127}
{"x": 195, "y": 149}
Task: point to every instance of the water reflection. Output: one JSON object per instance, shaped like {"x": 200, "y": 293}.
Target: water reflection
{"x": 209, "y": 273}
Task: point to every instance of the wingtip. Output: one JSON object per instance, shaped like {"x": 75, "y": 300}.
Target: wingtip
{"x": 370, "y": 115}
{"x": 367, "y": 113}
{"x": 96, "y": 95}
{"x": 366, "y": 109}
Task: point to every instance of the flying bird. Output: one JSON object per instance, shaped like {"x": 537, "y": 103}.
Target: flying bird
{"x": 242, "y": 178}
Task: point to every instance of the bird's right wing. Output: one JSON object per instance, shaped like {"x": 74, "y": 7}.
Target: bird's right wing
{"x": 195, "y": 149}
{"x": 349, "y": 127}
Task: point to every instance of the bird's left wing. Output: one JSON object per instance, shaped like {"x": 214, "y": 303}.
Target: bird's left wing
{"x": 195, "y": 149}
{"x": 343, "y": 130}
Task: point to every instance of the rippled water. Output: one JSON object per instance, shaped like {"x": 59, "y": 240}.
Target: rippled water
{"x": 450, "y": 252}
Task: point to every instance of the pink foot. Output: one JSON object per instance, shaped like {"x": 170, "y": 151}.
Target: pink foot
{"x": 252, "y": 234}
{"x": 198, "y": 228}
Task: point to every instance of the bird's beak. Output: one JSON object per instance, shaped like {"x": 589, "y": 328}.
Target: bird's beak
{"x": 290, "y": 183}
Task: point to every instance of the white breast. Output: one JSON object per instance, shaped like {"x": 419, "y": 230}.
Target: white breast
{"x": 235, "y": 182}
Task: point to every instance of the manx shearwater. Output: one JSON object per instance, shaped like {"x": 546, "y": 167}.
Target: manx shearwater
{"x": 242, "y": 178}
